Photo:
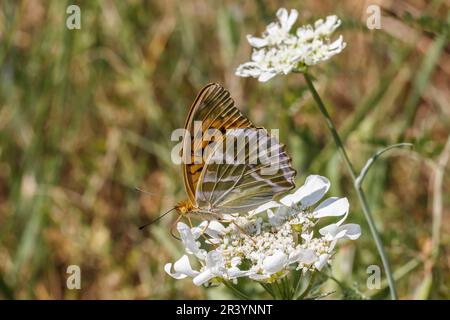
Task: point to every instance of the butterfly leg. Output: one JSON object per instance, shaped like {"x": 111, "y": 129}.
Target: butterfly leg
{"x": 172, "y": 227}
{"x": 202, "y": 234}
{"x": 189, "y": 221}
{"x": 204, "y": 237}
{"x": 206, "y": 227}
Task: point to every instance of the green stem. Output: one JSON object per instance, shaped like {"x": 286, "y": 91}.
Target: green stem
{"x": 269, "y": 289}
{"x": 301, "y": 295}
{"x": 371, "y": 161}
{"x": 279, "y": 289}
{"x": 358, "y": 188}
{"x": 236, "y": 291}
{"x": 287, "y": 288}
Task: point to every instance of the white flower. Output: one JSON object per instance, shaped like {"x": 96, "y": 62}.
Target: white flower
{"x": 279, "y": 236}
{"x": 266, "y": 64}
{"x": 333, "y": 207}
{"x": 327, "y": 27}
{"x": 333, "y": 231}
{"x": 275, "y": 262}
{"x": 182, "y": 268}
{"x": 214, "y": 268}
{"x": 321, "y": 261}
{"x": 303, "y": 256}
{"x": 276, "y": 32}
{"x": 189, "y": 238}
{"x": 310, "y": 193}
{"x": 278, "y": 51}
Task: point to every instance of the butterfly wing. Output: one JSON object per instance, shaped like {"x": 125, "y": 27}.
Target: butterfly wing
{"x": 240, "y": 186}
{"x": 215, "y": 109}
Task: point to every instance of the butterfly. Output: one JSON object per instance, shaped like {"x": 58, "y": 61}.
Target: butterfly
{"x": 217, "y": 189}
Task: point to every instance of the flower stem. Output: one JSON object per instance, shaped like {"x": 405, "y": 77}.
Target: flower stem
{"x": 358, "y": 187}
{"x": 236, "y": 291}
{"x": 269, "y": 289}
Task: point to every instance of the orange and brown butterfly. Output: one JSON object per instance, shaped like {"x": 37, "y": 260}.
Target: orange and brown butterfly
{"x": 217, "y": 189}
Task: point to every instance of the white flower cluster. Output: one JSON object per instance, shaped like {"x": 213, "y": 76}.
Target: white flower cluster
{"x": 279, "y": 51}
{"x": 265, "y": 247}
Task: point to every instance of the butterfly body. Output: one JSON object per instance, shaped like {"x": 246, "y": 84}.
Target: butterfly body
{"x": 244, "y": 181}
{"x": 187, "y": 209}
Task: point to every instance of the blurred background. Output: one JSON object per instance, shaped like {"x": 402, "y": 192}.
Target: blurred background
{"x": 86, "y": 117}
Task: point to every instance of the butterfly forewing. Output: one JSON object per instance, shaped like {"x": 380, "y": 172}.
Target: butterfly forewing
{"x": 215, "y": 109}
{"x": 236, "y": 179}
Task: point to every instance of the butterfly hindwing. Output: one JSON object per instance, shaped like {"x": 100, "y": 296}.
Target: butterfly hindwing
{"x": 240, "y": 186}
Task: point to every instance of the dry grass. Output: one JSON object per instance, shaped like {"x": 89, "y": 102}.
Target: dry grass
{"x": 86, "y": 116}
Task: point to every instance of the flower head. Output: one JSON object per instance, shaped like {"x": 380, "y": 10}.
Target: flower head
{"x": 279, "y": 51}
{"x": 271, "y": 240}
{"x": 276, "y": 33}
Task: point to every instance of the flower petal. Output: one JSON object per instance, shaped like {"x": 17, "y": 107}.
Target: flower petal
{"x": 330, "y": 229}
{"x": 264, "y": 207}
{"x": 305, "y": 256}
{"x": 182, "y": 268}
{"x": 322, "y": 261}
{"x": 290, "y": 20}
{"x": 276, "y": 219}
{"x": 189, "y": 240}
{"x": 352, "y": 230}
{"x": 275, "y": 262}
{"x": 215, "y": 229}
{"x": 199, "y": 230}
{"x": 214, "y": 261}
{"x": 203, "y": 277}
{"x": 235, "y": 272}
{"x": 337, "y": 46}
{"x": 176, "y": 275}
{"x": 256, "y": 42}
{"x": 258, "y": 277}
{"x": 335, "y": 232}
{"x": 333, "y": 207}
{"x": 214, "y": 268}
{"x": 310, "y": 193}
{"x": 248, "y": 69}
{"x": 266, "y": 76}
{"x": 235, "y": 261}
{"x": 282, "y": 15}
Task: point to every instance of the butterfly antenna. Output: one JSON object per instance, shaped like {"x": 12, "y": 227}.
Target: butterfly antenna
{"x": 152, "y": 222}
{"x": 143, "y": 191}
